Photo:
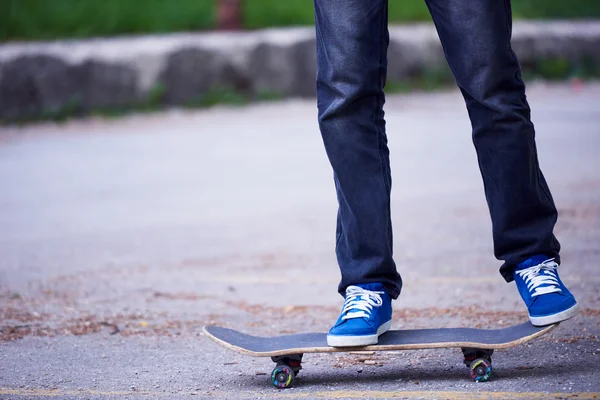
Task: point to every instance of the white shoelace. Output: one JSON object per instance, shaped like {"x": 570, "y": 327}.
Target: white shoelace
{"x": 541, "y": 278}
{"x": 360, "y": 302}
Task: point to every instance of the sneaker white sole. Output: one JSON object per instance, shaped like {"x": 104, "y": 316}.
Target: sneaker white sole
{"x": 352, "y": 341}
{"x": 554, "y": 318}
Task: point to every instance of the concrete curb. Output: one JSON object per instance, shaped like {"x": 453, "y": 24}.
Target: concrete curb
{"x": 42, "y": 78}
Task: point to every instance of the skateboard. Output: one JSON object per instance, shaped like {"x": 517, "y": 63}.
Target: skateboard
{"x": 286, "y": 351}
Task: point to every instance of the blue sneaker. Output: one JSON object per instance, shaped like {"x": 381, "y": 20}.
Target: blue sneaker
{"x": 367, "y": 313}
{"x": 546, "y": 297}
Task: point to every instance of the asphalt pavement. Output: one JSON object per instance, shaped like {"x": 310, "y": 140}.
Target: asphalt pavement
{"x": 120, "y": 239}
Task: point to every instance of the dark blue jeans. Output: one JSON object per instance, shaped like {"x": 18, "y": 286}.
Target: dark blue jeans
{"x": 352, "y": 41}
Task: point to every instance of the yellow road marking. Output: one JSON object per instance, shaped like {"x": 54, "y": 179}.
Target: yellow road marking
{"x": 341, "y": 394}
{"x": 337, "y": 394}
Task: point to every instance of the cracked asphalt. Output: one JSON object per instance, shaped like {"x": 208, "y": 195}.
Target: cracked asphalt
{"x": 120, "y": 239}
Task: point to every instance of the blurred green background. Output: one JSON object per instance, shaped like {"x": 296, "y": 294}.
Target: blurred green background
{"x": 51, "y": 19}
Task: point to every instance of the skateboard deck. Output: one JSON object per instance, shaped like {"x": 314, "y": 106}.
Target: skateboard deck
{"x": 287, "y": 350}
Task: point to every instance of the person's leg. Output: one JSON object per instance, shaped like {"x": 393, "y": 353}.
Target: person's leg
{"x": 476, "y": 39}
{"x": 352, "y": 40}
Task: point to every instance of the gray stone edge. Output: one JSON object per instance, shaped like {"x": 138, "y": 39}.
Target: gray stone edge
{"x": 38, "y": 77}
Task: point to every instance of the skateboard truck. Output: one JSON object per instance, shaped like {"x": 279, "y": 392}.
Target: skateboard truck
{"x": 286, "y": 369}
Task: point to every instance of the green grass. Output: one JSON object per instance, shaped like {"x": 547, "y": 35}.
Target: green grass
{"x": 556, "y": 9}
{"x": 50, "y": 19}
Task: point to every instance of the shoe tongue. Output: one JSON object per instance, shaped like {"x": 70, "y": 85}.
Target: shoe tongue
{"x": 374, "y": 287}
{"x": 532, "y": 261}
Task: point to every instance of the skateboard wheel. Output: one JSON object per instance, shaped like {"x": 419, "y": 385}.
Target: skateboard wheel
{"x": 282, "y": 376}
{"x": 481, "y": 369}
